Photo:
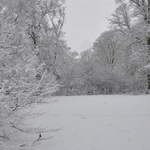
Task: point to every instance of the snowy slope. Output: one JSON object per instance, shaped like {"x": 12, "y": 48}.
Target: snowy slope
{"x": 94, "y": 123}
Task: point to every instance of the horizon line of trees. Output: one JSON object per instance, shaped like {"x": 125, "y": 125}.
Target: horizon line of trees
{"x": 118, "y": 61}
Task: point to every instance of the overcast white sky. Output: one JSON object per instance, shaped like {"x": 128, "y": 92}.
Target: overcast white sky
{"x": 85, "y": 20}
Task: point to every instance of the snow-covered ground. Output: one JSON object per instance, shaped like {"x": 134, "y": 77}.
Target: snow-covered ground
{"x": 94, "y": 123}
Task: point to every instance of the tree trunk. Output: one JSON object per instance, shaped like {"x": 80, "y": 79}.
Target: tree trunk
{"x": 148, "y": 43}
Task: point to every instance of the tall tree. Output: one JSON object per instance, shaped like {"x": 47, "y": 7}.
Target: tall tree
{"x": 27, "y": 49}
{"x": 142, "y": 8}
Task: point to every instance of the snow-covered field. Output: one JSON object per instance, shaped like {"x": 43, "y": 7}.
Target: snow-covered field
{"x": 94, "y": 123}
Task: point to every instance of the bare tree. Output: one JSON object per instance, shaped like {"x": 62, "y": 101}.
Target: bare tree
{"x": 121, "y": 17}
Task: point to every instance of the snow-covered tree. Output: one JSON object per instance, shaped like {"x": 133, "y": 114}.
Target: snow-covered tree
{"x": 29, "y": 42}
